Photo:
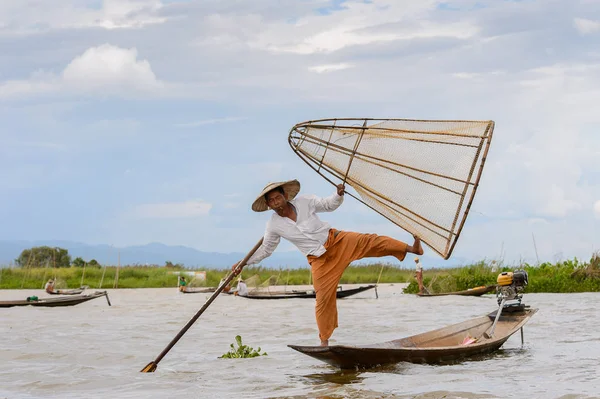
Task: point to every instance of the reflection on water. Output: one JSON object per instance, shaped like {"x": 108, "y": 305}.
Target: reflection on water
{"x": 340, "y": 377}
{"x": 92, "y": 350}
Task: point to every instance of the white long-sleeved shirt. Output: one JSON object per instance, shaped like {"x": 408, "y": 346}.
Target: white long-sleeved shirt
{"x": 242, "y": 289}
{"x": 308, "y": 233}
{"x": 418, "y": 267}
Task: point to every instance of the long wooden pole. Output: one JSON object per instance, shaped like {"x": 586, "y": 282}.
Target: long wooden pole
{"x": 535, "y": 247}
{"x": 102, "y": 279}
{"x": 151, "y": 367}
{"x": 377, "y": 283}
{"x": 116, "y": 284}
{"x": 26, "y": 274}
{"x": 44, "y": 278}
{"x": 82, "y": 275}
{"x": 54, "y": 261}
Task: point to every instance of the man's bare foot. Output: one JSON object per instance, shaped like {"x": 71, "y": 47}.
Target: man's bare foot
{"x": 417, "y": 248}
{"x": 325, "y": 343}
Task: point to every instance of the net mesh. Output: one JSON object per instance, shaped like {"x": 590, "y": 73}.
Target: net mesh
{"x": 272, "y": 280}
{"x": 421, "y": 175}
{"x": 252, "y": 282}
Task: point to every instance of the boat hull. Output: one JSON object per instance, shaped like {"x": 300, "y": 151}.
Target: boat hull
{"x": 56, "y": 302}
{"x": 472, "y": 292}
{"x": 438, "y": 346}
{"x": 199, "y": 290}
{"x": 75, "y": 291}
{"x": 309, "y": 294}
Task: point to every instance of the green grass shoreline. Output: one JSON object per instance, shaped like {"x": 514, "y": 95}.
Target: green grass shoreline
{"x": 561, "y": 277}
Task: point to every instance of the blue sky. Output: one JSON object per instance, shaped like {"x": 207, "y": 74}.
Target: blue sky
{"x": 134, "y": 121}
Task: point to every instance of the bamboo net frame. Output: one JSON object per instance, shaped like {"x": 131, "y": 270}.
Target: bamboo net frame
{"x": 422, "y": 175}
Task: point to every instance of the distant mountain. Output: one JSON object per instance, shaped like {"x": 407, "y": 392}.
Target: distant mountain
{"x": 158, "y": 254}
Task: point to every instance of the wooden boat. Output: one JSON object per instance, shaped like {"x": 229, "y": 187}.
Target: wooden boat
{"x": 191, "y": 290}
{"x": 75, "y": 291}
{"x": 441, "y": 345}
{"x": 478, "y": 291}
{"x": 341, "y": 293}
{"x": 58, "y": 301}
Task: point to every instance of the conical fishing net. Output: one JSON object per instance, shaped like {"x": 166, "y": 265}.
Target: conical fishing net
{"x": 421, "y": 175}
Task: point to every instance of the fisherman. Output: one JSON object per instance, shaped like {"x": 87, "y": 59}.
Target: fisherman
{"x": 49, "y": 287}
{"x": 242, "y": 288}
{"x": 494, "y": 266}
{"x": 182, "y": 283}
{"x": 419, "y": 274}
{"x": 329, "y": 251}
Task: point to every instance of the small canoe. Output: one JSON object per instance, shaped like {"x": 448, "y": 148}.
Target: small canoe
{"x": 58, "y": 301}
{"x": 190, "y": 290}
{"x": 340, "y": 293}
{"x": 75, "y": 291}
{"x": 478, "y": 291}
{"x": 451, "y": 343}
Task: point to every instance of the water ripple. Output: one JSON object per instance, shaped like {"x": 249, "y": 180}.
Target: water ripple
{"x": 92, "y": 350}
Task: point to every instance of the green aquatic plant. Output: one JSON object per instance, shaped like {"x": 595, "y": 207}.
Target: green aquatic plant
{"x": 242, "y": 351}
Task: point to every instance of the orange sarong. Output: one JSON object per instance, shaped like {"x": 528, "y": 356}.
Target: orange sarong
{"x": 344, "y": 247}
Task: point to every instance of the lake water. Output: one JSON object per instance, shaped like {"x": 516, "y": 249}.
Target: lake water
{"x": 95, "y": 351}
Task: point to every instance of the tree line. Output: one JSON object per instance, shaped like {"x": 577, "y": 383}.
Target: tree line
{"x": 59, "y": 257}
{"x": 50, "y": 257}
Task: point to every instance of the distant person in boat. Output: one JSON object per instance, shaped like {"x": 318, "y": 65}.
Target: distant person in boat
{"x": 242, "y": 289}
{"x": 49, "y": 287}
{"x": 182, "y": 283}
{"x": 419, "y": 274}
{"x": 494, "y": 267}
{"x": 329, "y": 251}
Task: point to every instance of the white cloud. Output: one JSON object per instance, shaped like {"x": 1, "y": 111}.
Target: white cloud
{"x": 173, "y": 210}
{"x": 108, "y": 66}
{"x": 472, "y": 75}
{"x": 105, "y": 69}
{"x": 33, "y": 16}
{"x": 16, "y": 88}
{"x": 117, "y": 14}
{"x": 373, "y": 27}
{"x": 556, "y": 203}
{"x": 597, "y": 209}
{"x": 586, "y": 26}
{"x": 329, "y": 68}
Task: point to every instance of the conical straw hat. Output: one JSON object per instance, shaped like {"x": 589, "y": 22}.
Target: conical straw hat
{"x": 290, "y": 187}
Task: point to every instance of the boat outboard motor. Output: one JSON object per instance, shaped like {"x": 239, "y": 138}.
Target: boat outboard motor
{"x": 510, "y": 288}
{"x": 509, "y": 292}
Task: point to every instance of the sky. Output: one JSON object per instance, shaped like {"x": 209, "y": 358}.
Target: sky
{"x": 126, "y": 122}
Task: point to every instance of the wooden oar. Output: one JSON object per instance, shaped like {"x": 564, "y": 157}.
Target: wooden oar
{"x": 151, "y": 367}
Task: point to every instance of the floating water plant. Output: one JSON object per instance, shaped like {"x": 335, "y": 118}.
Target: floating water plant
{"x": 242, "y": 351}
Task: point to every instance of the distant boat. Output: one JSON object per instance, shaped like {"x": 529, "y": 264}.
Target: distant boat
{"x": 477, "y": 291}
{"x": 449, "y": 343}
{"x": 297, "y": 294}
{"x": 58, "y": 301}
{"x": 74, "y": 291}
{"x": 190, "y": 290}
